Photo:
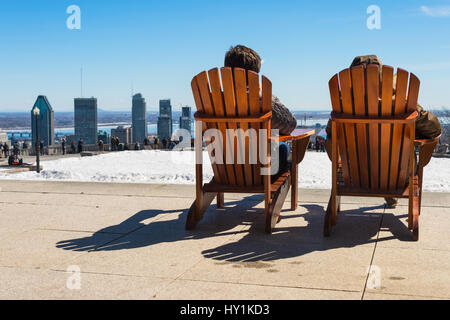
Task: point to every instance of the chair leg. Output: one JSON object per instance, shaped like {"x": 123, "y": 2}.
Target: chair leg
{"x": 415, "y": 230}
{"x": 294, "y": 189}
{"x": 198, "y": 208}
{"x": 220, "y": 200}
{"x": 275, "y": 206}
{"x": 331, "y": 214}
{"x": 415, "y": 216}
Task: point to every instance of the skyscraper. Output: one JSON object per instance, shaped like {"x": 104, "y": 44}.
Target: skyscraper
{"x": 185, "y": 119}
{"x": 86, "y": 120}
{"x": 139, "y": 118}
{"x": 46, "y": 122}
{"x": 165, "y": 120}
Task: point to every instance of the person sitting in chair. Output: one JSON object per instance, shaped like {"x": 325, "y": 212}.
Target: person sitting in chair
{"x": 282, "y": 119}
{"x": 427, "y": 124}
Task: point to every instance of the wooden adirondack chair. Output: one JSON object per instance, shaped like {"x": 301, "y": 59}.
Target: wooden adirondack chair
{"x": 240, "y": 102}
{"x": 373, "y": 139}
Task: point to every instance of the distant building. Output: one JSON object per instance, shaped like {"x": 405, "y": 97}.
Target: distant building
{"x": 139, "y": 118}
{"x": 104, "y": 136}
{"x": 46, "y": 122}
{"x": 86, "y": 120}
{"x": 165, "y": 120}
{"x": 185, "y": 119}
{"x": 4, "y": 138}
{"x": 124, "y": 134}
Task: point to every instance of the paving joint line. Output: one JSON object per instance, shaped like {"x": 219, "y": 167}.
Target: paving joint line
{"x": 373, "y": 253}
{"x": 198, "y": 262}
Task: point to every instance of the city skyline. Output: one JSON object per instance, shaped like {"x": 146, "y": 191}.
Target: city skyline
{"x": 138, "y": 45}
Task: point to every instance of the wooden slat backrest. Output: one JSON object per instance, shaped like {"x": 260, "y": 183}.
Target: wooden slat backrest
{"x": 349, "y": 129}
{"x": 373, "y": 109}
{"x": 386, "y": 129}
{"x": 335, "y": 95}
{"x": 234, "y": 93}
{"x": 359, "y": 96}
{"x": 254, "y": 108}
{"x": 219, "y": 106}
{"x": 411, "y": 105}
{"x": 208, "y": 108}
{"x": 375, "y": 156}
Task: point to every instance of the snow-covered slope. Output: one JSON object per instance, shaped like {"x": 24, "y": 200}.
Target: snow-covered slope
{"x": 178, "y": 167}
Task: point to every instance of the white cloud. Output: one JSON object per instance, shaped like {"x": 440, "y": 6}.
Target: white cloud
{"x": 437, "y": 12}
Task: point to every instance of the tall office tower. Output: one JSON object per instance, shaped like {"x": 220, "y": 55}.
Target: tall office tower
{"x": 124, "y": 134}
{"x": 139, "y": 118}
{"x": 46, "y": 122}
{"x": 165, "y": 120}
{"x": 185, "y": 119}
{"x": 86, "y": 120}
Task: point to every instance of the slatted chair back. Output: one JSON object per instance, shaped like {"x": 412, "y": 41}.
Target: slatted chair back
{"x": 232, "y": 99}
{"x": 375, "y": 150}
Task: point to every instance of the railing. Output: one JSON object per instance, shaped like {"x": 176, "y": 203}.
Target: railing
{"x": 57, "y": 149}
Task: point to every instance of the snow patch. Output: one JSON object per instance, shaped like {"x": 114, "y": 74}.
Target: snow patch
{"x": 178, "y": 167}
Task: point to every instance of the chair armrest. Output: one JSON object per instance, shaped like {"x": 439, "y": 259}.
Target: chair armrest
{"x": 427, "y": 147}
{"x": 297, "y": 134}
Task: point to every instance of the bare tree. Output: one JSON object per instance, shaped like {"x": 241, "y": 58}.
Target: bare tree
{"x": 445, "y": 122}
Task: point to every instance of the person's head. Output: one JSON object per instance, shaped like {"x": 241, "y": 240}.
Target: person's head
{"x": 366, "y": 60}
{"x": 243, "y": 57}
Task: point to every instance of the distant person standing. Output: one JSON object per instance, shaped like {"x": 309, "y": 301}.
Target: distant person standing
{"x": 101, "y": 147}
{"x": 6, "y": 150}
{"x": 16, "y": 150}
{"x": 72, "y": 146}
{"x": 63, "y": 146}
{"x": 80, "y": 145}
{"x": 164, "y": 143}
{"x": 1, "y": 149}
{"x": 113, "y": 143}
{"x": 155, "y": 142}
{"x": 116, "y": 143}
{"x": 146, "y": 141}
{"x": 137, "y": 146}
{"x": 25, "y": 148}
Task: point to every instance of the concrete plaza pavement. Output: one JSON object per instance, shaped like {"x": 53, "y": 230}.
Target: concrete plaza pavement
{"x": 128, "y": 241}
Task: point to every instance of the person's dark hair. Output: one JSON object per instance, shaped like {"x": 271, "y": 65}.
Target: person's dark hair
{"x": 243, "y": 57}
{"x": 366, "y": 60}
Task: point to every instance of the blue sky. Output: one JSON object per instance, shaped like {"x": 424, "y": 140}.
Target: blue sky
{"x": 158, "y": 46}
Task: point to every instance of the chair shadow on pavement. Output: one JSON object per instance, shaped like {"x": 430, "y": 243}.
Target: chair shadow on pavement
{"x": 134, "y": 232}
{"x": 355, "y": 227}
